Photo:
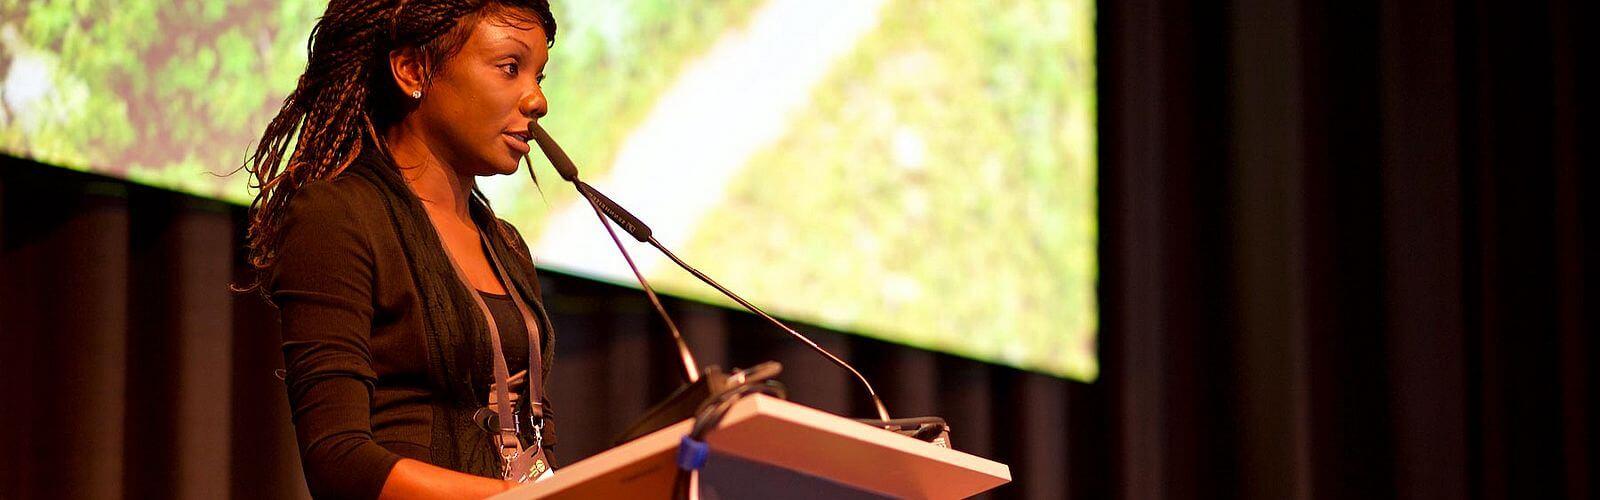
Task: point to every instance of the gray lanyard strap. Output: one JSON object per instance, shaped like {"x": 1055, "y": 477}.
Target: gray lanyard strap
{"x": 535, "y": 375}
{"x": 502, "y": 374}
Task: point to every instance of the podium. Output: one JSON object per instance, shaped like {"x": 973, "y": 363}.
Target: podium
{"x": 767, "y": 447}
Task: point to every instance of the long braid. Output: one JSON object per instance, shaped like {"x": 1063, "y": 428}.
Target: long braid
{"x": 340, "y": 104}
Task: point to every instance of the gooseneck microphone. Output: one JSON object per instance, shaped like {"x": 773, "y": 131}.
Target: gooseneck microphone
{"x": 570, "y": 173}
{"x": 636, "y": 228}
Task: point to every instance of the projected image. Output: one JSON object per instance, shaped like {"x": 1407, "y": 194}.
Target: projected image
{"x": 920, "y": 171}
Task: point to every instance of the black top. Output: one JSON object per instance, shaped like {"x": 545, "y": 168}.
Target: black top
{"x": 513, "y": 336}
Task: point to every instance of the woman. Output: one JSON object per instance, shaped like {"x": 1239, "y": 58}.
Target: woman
{"x": 396, "y": 285}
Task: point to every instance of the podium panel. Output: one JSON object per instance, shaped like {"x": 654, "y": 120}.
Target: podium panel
{"x": 727, "y": 477}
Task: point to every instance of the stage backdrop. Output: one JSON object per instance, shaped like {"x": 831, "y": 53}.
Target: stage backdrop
{"x": 919, "y": 171}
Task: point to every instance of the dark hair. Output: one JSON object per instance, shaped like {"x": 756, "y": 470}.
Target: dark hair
{"x": 347, "y": 95}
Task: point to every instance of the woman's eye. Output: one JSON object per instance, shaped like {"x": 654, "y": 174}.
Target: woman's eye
{"x": 539, "y": 80}
{"x": 509, "y": 68}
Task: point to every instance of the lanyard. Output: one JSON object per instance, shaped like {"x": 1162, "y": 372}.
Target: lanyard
{"x": 503, "y": 411}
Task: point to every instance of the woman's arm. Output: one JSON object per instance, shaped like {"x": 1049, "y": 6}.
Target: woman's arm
{"x": 322, "y": 285}
{"x": 414, "y": 479}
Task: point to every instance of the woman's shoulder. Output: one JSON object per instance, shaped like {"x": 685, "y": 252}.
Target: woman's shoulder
{"x": 328, "y": 220}
{"x": 343, "y": 198}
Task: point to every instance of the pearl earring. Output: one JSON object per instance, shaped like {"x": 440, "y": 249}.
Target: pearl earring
{"x": 416, "y": 94}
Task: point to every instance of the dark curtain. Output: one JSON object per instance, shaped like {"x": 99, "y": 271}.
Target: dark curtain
{"x": 128, "y": 368}
{"x": 1345, "y": 255}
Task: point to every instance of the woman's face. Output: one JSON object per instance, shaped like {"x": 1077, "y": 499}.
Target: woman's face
{"x": 476, "y": 111}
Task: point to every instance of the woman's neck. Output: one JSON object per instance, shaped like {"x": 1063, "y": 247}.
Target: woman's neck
{"x": 441, "y": 188}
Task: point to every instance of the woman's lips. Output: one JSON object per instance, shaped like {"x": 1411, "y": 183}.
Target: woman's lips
{"x": 516, "y": 144}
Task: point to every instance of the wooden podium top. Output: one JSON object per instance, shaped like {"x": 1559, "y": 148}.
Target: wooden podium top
{"x": 773, "y": 431}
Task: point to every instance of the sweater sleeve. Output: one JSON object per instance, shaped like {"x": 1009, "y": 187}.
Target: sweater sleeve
{"x": 322, "y": 284}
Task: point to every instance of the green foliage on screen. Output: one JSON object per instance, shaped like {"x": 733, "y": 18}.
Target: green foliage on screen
{"x": 163, "y": 92}
{"x": 944, "y": 179}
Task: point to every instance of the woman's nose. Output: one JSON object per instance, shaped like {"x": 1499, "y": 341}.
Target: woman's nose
{"x": 533, "y": 105}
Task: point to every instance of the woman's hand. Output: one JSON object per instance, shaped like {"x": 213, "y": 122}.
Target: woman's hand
{"x": 412, "y": 479}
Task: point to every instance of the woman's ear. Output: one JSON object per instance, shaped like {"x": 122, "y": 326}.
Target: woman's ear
{"x": 410, "y": 74}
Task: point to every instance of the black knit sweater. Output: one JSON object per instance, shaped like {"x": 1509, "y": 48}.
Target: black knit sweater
{"x": 386, "y": 354}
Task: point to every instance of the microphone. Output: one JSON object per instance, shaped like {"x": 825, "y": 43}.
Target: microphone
{"x": 641, "y": 232}
{"x": 569, "y": 172}
{"x": 558, "y": 158}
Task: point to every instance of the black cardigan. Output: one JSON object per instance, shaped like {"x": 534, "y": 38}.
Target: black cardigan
{"x": 354, "y": 343}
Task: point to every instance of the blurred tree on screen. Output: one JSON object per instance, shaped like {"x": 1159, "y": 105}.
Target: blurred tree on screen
{"x": 162, "y": 92}
{"x": 944, "y": 175}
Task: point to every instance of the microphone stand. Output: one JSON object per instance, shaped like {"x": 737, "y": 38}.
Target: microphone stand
{"x": 699, "y": 387}
{"x": 690, "y": 368}
{"x": 635, "y": 227}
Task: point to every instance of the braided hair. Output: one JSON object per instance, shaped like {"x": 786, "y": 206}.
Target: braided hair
{"x": 346, "y": 98}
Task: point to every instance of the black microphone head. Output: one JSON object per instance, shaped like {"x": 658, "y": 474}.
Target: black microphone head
{"x": 558, "y": 158}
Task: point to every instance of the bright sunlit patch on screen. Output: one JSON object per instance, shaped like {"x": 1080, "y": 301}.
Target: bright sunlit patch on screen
{"x": 920, "y": 171}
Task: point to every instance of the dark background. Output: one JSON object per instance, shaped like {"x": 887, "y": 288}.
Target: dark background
{"x": 1344, "y": 256}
